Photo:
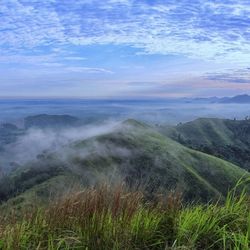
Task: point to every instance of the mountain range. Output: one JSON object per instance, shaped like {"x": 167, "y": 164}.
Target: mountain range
{"x": 202, "y": 159}
{"x": 241, "y": 99}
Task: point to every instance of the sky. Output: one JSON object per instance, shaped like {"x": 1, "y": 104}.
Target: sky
{"x": 124, "y": 48}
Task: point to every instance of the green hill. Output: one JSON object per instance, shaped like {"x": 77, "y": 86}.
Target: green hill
{"x": 134, "y": 153}
{"x": 226, "y": 139}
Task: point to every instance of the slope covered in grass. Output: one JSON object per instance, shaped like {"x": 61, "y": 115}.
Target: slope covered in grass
{"x": 134, "y": 153}
{"x": 227, "y": 139}
{"x": 105, "y": 217}
{"x": 140, "y": 153}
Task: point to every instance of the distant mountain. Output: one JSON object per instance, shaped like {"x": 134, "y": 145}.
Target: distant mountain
{"x": 236, "y": 99}
{"x": 50, "y": 121}
{"x": 209, "y": 99}
{"x": 223, "y": 138}
{"x": 134, "y": 153}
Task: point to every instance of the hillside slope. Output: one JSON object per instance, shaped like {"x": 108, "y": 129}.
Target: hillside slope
{"x": 134, "y": 153}
{"x": 227, "y": 139}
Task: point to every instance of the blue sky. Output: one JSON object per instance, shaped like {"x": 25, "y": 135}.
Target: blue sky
{"x": 124, "y": 48}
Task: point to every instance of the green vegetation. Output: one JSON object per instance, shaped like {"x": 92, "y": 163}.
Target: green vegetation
{"x": 223, "y": 138}
{"x": 40, "y": 210}
{"x": 133, "y": 152}
{"x": 116, "y": 218}
{"x": 142, "y": 154}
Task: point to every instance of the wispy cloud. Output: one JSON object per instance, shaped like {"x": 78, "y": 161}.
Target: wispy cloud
{"x": 214, "y": 30}
{"x": 88, "y": 70}
{"x": 231, "y": 76}
{"x": 56, "y": 43}
{"x": 75, "y": 58}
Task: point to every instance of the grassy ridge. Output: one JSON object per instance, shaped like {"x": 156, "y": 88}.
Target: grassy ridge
{"x": 115, "y": 218}
{"x": 160, "y": 161}
{"x": 132, "y": 152}
{"x": 223, "y": 138}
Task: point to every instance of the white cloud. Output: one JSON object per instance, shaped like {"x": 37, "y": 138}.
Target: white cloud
{"x": 89, "y": 70}
{"x": 198, "y": 29}
{"x": 75, "y": 58}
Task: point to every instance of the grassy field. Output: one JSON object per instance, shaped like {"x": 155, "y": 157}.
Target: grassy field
{"x": 107, "y": 217}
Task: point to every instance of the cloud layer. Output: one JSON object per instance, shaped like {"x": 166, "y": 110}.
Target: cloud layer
{"x": 214, "y": 30}
{"x": 105, "y": 48}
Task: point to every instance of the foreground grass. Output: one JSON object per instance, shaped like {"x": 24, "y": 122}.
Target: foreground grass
{"x": 113, "y": 218}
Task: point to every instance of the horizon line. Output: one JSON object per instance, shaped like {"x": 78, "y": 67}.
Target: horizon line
{"x": 116, "y": 97}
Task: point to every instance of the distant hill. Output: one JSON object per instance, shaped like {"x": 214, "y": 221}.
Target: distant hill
{"x": 50, "y": 121}
{"x": 134, "y": 153}
{"x": 8, "y": 134}
{"x": 236, "y": 99}
{"x": 224, "y": 138}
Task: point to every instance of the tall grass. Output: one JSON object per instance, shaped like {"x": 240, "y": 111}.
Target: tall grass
{"x": 217, "y": 226}
{"x": 114, "y": 218}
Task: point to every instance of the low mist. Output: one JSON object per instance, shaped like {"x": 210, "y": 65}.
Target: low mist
{"x": 36, "y": 141}
{"x": 102, "y": 117}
